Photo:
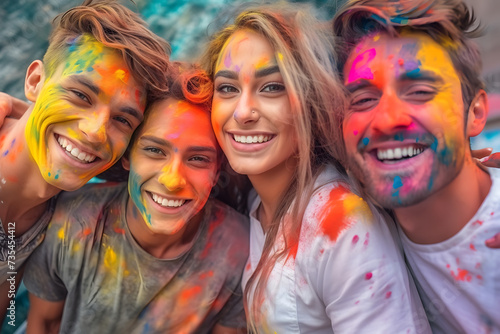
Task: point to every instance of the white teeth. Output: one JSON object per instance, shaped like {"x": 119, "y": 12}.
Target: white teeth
{"x": 252, "y": 139}
{"x": 82, "y": 156}
{"x": 398, "y": 153}
{"x": 168, "y": 203}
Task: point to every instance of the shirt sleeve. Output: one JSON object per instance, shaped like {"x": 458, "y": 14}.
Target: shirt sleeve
{"x": 363, "y": 280}
{"x": 233, "y": 312}
{"x": 42, "y": 276}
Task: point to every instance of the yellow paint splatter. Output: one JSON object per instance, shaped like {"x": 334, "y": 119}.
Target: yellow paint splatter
{"x": 60, "y": 233}
{"x": 110, "y": 259}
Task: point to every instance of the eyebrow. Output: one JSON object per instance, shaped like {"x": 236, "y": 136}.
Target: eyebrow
{"x": 258, "y": 74}
{"x": 420, "y": 75}
{"x": 267, "y": 71}
{"x": 87, "y": 83}
{"x": 133, "y": 112}
{"x": 90, "y": 85}
{"x": 226, "y": 74}
{"x": 358, "y": 84}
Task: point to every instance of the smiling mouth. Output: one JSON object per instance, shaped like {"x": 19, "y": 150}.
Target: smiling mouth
{"x": 83, "y": 157}
{"x": 252, "y": 139}
{"x": 394, "y": 155}
{"x": 168, "y": 203}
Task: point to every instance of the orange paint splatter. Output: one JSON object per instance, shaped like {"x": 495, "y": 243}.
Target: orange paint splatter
{"x": 333, "y": 219}
{"x": 86, "y": 232}
{"x": 119, "y": 230}
{"x": 461, "y": 275}
{"x": 209, "y": 273}
{"x": 190, "y": 293}
{"x": 248, "y": 267}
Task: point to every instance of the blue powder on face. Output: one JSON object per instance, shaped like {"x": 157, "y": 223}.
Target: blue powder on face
{"x": 366, "y": 141}
{"x": 397, "y": 183}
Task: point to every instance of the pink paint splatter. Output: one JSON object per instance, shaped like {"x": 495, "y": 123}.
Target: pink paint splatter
{"x": 477, "y": 223}
{"x": 355, "y": 239}
{"x": 367, "y": 239}
{"x": 360, "y": 68}
{"x": 461, "y": 275}
{"x": 368, "y": 276}
{"x": 388, "y": 294}
{"x": 472, "y": 247}
{"x": 355, "y": 132}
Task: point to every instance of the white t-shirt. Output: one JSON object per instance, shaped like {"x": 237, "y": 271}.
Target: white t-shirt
{"x": 347, "y": 276}
{"x": 459, "y": 279}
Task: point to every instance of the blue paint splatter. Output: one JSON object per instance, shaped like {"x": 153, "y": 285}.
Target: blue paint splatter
{"x": 431, "y": 182}
{"x": 434, "y": 145}
{"x": 413, "y": 74}
{"x": 49, "y": 174}
{"x": 397, "y": 183}
{"x": 366, "y": 141}
{"x": 399, "y": 136}
{"x": 56, "y": 177}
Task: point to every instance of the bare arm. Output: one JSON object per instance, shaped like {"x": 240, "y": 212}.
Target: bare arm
{"x": 218, "y": 329}
{"x": 44, "y": 317}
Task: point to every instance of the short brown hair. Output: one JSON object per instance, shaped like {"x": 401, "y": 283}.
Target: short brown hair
{"x": 449, "y": 22}
{"x": 117, "y": 27}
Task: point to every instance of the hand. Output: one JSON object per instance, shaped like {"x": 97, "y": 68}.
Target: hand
{"x": 486, "y": 158}
{"x": 493, "y": 242}
{"x": 11, "y": 107}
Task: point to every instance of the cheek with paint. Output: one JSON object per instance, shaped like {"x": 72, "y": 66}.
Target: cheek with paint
{"x": 50, "y": 108}
{"x": 134, "y": 190}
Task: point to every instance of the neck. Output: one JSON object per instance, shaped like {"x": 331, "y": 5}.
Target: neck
{"x": 270, "y": 187}
{"x": 160, "y": 245}
{"x": 447, "y": 211}
{"x": 23, "y": 191}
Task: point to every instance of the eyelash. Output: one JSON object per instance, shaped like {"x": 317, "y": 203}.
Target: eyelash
{"x": 153, "y": 150}
{"x": 123, "y": 120}
{"x": 81, "y": 95}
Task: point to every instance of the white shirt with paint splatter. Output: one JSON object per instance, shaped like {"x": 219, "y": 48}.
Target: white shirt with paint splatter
{"x": 459, "y": 279}
{"x": 347, "y": 275}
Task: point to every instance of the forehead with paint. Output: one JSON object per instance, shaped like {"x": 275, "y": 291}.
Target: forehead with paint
{"x": 179, "y": 122}
{"x": 88, "y": 107}
{"x": 252, "y": 58}
{"x": 404, "y": 129}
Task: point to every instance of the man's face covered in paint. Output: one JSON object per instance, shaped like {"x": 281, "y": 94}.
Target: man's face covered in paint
{"x": 404, "y": 129}
{"x": 84, "y": 115}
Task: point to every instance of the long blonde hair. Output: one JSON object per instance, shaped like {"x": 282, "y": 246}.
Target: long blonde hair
{"x": 305, "y": 56}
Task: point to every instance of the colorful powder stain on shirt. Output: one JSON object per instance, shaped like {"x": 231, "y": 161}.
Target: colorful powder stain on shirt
{"x": 340, "y": 210}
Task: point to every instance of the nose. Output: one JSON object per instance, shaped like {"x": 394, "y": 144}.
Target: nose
{"x": 246, "y": 110}
{"x": 172, "y": 176}
{"x": 392, "y": 114}
{"x": 94, "y": 127}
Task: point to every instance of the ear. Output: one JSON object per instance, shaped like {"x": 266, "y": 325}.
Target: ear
{"x": 33, "y": 83}
{"x": 477, "y": 114}
{"x": 125, "y": 161}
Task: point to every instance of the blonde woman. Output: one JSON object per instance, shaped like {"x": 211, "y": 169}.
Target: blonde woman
{"x": 321, "y": 260}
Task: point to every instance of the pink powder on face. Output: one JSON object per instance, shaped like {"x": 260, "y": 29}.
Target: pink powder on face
{"x": 360, "y": 68}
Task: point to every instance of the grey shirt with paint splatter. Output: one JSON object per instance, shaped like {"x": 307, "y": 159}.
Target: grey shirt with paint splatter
{"x": 111, "y": 285}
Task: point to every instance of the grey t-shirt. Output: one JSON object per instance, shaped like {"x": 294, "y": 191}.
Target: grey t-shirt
{"x": 14, "y": 251}
{"x": 111, "y": 285}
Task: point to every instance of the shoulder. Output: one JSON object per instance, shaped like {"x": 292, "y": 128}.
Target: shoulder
{"x": 228, "y": 226}
{"x": 79, "y": 210}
